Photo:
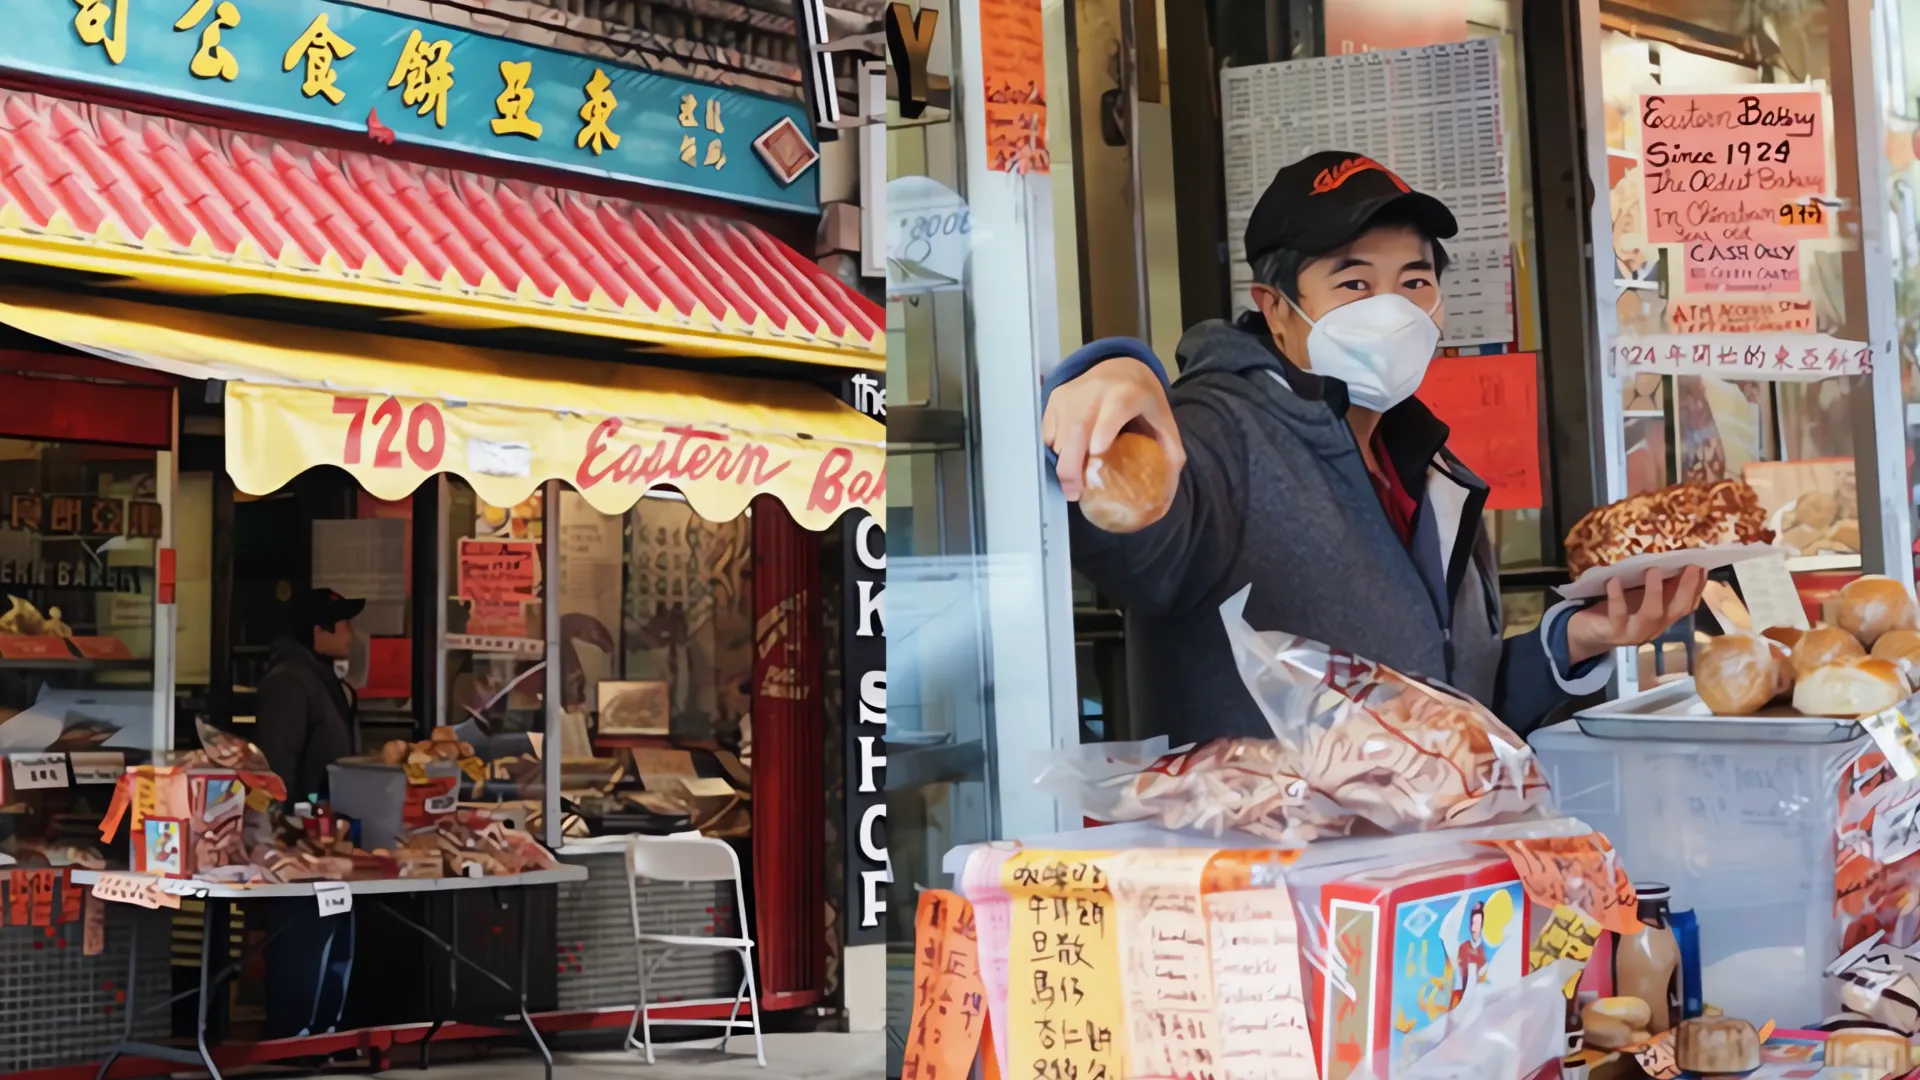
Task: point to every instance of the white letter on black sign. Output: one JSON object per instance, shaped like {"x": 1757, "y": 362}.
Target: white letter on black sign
{"x": 872, "y": 607}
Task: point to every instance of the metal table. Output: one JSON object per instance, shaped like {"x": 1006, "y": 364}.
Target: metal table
{"x": 213, "y": 893}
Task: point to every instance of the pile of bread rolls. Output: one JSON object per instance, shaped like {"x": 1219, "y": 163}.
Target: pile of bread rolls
{"x": 1866, "y": 662}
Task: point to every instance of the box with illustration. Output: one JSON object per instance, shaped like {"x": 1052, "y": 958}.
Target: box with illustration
{"x": 1412, "y": 943}
{"x": 182, "y": 820}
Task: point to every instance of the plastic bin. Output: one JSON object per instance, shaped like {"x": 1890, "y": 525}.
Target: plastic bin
{"x": 1744, "y": 833}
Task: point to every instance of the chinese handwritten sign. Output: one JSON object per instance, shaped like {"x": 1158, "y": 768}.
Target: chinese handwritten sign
{"x": 1014, "y": 65}
{"x": 993, "y": 921}
{"x": 1491, "y": 404}
{"x": 1063, "y": 1008}
{"x": 1783, "y": 357}
{"x": 949, "y": 1002}
{"x": 1734, "y": 178}
{"x": 332, "y": 61}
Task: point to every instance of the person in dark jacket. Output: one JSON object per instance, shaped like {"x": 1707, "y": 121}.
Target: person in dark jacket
{"x": 303, "y": 723}
{"x": 1304, "y": 467}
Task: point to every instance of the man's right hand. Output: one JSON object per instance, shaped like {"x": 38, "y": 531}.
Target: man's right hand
{"x": 1083, "y": 417}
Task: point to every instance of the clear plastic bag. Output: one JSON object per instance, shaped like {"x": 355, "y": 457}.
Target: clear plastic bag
{"x": 1356, "y": 746}
{"x": 1506, "y": 1035}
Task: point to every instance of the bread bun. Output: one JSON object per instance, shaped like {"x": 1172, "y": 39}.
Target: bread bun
{"x": 1853, "y": 687}
{"x": 1630, "y": 1011}
{"x": 1872, "y": 605}
{"x": 1604, "y": 1032}
{"x": 1846, "y": 534}
{"x": 1898, "y": 645}
{"x": 1128, "y": 487}
{"x": 1785, "y": 635}
{"x": 394, "y": 752}
{"x": 1821, "y": 646}
{"x": 1737, "y": 674}
{"x": 1816, "y": 510}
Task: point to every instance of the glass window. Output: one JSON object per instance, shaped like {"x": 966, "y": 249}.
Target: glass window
{"x": 495, "y": 626}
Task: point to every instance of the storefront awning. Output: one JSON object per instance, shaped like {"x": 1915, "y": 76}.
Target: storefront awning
{"x": 394, "y": 411}
{"x": 194, "y": 208}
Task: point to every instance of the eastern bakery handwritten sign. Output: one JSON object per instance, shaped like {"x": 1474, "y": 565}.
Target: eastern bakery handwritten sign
{"x": 1782, "y": 357}
{"x": 1734, "y": 178}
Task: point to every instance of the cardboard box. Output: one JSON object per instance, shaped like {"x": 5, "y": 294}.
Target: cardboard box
{"x": 1415, "y": 941}
{"x": 181, "y": 821}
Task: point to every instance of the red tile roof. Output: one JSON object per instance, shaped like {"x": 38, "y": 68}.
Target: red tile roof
{"x": 94, "y": 187}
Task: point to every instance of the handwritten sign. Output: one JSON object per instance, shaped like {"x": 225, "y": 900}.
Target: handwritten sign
{"x": 1769, "y": 592}
{"x": 949, "y": 1002}
{"x": 498, "y": 571}
{"x": 1778, "y": 357}
{"x": 70, "y": 896}
{"x": 1257, "y": 987}
{"x": 1754, "y": 316}
{"x": 33, "y": 772}
{"x": 93, "y": 937}
{"x": 1579, "y": 872}
{"x": 1732, "y": 177}
{"x": 41, "y": 885}
{"x": 1065, "y": 1017}
{"x": 137, "y": 889}
{"x": 1569, "y": 935}
{"x": 993, "y": 922}
{"x": 1166, "y": 972}
{"x": 1491, "y": 405}
{"x": 98, "y": 766}
{"x": 333, "y": 897}
{"x": 1013, "y": 61}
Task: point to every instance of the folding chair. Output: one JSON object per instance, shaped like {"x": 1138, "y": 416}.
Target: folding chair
{"x": 687, "y": 858}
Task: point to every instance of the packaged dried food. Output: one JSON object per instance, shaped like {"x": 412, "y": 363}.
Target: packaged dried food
{"x": 1356, "y": 745}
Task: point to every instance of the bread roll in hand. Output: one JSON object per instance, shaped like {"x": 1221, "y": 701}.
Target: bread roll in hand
{"x": 1738, "y": 674}
{"x": 1123, "y": 489}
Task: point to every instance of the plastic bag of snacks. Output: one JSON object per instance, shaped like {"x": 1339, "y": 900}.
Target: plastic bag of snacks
{"x": 1356, "y": 746}
{"x": 1509, "y": 1034}
{"x": 230, "y": 751}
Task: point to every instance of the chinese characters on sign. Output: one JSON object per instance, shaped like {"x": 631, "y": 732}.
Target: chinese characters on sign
{"x": 213, "y": 60}
{"x": 949, "y": 999}
{"x": 1063, "y": 1005}
{"x": 1733, "y": 178}
{"x": 320, "y": 47}
{"x": 515, "y": 101}
{"x": 103, "y": 23}
{"x": 594, "y": 132}
{"x": 426, "y": 74}
{"x": 1014, "y": 67}
{"x": 1786, "y": 357}
{"x": 689, "y": 144}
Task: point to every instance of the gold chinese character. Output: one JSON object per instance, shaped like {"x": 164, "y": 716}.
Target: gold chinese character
{"x": 213, "y": 60}
{"x": 713, "y": 117}
{"x": 716, "y": 157}
{"x": 690, "y": 150}
{"x": 99, "y": 23}
{"x": 600, "y": 105}
{"x": 516, "y": 101}
{"x": 428, "y": 76}
{"x": 321, "y": 47}
{"x": 688, "y": 103}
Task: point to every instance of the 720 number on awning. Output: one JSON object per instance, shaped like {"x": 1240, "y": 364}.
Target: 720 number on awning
{"x": 426, "y": 432}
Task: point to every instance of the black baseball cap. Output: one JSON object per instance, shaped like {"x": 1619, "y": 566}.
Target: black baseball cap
{"x": 323, "y": 607}
{"x": 1325, "y": 200}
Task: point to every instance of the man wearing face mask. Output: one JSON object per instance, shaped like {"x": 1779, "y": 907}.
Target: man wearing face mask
{"x": 304, "y": 723}
{"x": 1303, "y": 466}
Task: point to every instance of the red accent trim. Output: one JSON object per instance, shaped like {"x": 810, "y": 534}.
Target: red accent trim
{"x": 78, "y": 366}
{"x": 71, "y": 410}
{"x": 789, "y": 756}
{"x": 164, "y": 575}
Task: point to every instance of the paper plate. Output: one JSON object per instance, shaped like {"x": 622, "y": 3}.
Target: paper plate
{"x": 1594, "y": 582}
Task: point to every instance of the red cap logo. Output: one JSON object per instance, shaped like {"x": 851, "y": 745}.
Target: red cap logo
{"x": 1330, "y": 179}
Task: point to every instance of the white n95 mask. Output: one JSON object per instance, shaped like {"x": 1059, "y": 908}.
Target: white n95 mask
{"x": 1380, "y": 347}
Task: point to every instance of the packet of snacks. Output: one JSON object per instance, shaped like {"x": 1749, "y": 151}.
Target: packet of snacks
{"x": 1357, "y": 747}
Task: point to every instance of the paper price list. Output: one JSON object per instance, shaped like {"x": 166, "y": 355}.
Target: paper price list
{"x": 949, "y": 1001}
{"x": 1064, "y": 977}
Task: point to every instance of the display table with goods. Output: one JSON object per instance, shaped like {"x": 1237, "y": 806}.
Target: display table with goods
{"x": 213, "y": 825}
{"x": 1719, "y": 877}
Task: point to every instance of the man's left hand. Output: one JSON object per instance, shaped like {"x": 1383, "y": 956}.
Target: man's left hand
{"x": 1634, "y": 616}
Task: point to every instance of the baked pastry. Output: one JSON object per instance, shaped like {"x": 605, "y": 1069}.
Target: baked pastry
{"x": 1816, "y": 510}
{"x": 1879, "y": 1051}
{"x": 1898, "y": 645}
{"x": 1716, "y": 1044}
{"x": 1611, "y": 1023}
{"x": 1737, "y": 674}
{"x": 1874, "y": 604}
{"x": 1691, "y": 515}
{"x": 1126, "y": 488}
{"x": 1853, "y": 687}
{"x": 1821, "y": 646}
{"x": 1844, "y": 535}
{"x": 1785, "y": 635}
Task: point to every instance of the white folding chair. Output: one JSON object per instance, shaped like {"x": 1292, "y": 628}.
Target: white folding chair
{"x": 689, "y": 857}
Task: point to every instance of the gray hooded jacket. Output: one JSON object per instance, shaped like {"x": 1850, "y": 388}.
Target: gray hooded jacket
{"x": 1275, "y": 495}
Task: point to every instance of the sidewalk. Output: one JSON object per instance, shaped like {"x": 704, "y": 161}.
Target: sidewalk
{"x": 818, "y": 1056}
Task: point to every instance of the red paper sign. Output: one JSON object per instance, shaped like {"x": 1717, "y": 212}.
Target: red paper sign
{"x": 1491, "y": 407}
{"x": 34, "y": 647}
{"x": 19, "y": 898}
{"x": 1357, "y": 26}
{"x": 71, "y": 895}
{"x": 503, "y": 571}
{"x": 389, "y": 668}
{"x": 101, "y": 648}
{"x": 42, "y": 886}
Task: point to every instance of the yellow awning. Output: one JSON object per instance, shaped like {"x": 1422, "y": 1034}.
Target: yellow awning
{"x": 394, "y": 411}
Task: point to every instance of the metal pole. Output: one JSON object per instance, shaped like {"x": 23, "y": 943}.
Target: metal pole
{"x": 1130, "y": 82}
{"x": 550, "y": 595}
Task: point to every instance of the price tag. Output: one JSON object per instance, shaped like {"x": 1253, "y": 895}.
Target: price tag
{"x": 1896, "y": 740}
{"x": 99, "y": 767}
{"x": 136, "y": 889}
{"x": 33, "y": 772}
{"x": 334, "y": 897}
{"x": 1768, "y": 590}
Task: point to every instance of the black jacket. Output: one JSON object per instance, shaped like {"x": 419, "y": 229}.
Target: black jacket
{"x": 303, "y": 718}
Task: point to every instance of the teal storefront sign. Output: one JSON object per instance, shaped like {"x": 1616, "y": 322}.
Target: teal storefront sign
{"x": 334, "y": 63}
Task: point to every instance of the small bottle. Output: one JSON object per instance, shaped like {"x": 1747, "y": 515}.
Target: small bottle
{"x": 1646, "y": 965}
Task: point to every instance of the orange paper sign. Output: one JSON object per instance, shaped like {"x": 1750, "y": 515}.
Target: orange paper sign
{"x": 1491, "y": 407}
{"x": 1013, "y": 61}
{"x": 34, "y": 647}
{"x": 949, "y": 1000}
{"x": 1731, "y": 177}
{"x": 70, "y": 896}
{"x": 94, "y": 934}
{"x": 498, "y": 571}
{"x": 41, "y": 885}
{"x": 101, "y": 648}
